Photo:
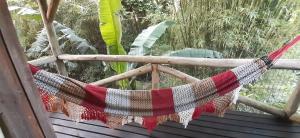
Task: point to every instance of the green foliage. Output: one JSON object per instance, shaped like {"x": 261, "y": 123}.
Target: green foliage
{"x": 144, "y": 42}
{"x": 69, "y": 42}
{"x": 239, "y": 28}
{"x": 27, "y": 20}
{"x": 110, "y": 27}
{"x": 138, "y": 15}
{"x": 82, "y": 17}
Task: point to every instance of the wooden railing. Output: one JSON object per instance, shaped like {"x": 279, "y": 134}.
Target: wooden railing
{"x": 155, "y": 65}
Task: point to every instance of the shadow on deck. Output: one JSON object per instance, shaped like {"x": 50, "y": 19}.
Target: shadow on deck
{"x": 233, "y": 124}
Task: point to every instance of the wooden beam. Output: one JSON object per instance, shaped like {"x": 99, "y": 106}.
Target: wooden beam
{"x": 184, "y": 77}
{"x": 262, "y": 106}
{"x": 293, "y": 101}
{"x": 52, "y": 8}
{"x": 43, "y": 60}
{"x": 280, "y": 64}
{"x": 155, "y": 76}
{"x": 295, "y": 117}
{"x": 247, "y": 101}
{"x": 52, "y": 38}
{"x": 21, "y": 108}
{"x": 135, "y": 72}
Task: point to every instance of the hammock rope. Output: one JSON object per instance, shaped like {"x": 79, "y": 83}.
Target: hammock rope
{"x": 183, "y": 103}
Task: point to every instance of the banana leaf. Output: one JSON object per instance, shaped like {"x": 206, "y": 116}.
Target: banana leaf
{"x": 111, "y": 30}
{"x": 145, "y": 41}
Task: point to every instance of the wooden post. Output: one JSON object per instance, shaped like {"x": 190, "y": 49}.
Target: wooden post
{"x": 155, "y": 76}
{"x": 48, "y": 24}
{"x": 293, "y": 101}
{"x": 21, "y": 109}
{"x": 53, "y": 5}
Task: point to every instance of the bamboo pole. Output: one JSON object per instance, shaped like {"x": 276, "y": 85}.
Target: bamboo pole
{"x": 53, "y": 5}
{"x": 280, "y": 64}
{"x": 293, "y": 101}
{"x": 52, "y": 37}
{"x": 262, "y": 106}
{"x": 245, "y": 100}
{"x": 43, "y": 60}
{"x": 138, "y": 71}
{"x": 155, "y": 76}
{"x": 178, "y": 74}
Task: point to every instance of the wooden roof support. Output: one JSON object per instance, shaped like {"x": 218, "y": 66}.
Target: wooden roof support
{"x": 21, "y": 108}
{"x": 293, "y": 101}
{"x": 52, "y": 34}
{"x": 52, "y": 8}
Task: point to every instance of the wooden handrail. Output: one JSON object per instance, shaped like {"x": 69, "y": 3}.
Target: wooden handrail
{"x": 293, "y": 64}
{"x": 43, "y": 60}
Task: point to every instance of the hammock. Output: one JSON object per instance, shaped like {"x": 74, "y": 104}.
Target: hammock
{"x": 149, "y": 108}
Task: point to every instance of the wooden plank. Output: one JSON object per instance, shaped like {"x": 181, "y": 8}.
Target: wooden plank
{"x": 267, "y": 121}
{"x": 17, "y": 114}
{"x": 100, "y": 130}
{"x": 43, "y": 60}
{"x": 23, "y": 106}
{"x": 212, "y": 131}
{"x": 234, "y": 124}
{"x": 244, "y": 131}
{"x": 129, "y": 128}
{"x": 293, "y": 101}
{"x": 78, "y": 132}
{"x": 135, "y": 72}
{"x": 209, "y": 62}
{"x": 52, "y": 8}
{"x": 62, "y": 135}
{"x": 52, "y": 38}
{"x": 155, "y": 76}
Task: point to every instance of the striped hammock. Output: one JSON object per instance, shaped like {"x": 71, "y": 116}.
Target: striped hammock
{"x": 149, "y": 108}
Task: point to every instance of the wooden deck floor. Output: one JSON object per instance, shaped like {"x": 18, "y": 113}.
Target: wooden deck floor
{"x": 234, "y": 124}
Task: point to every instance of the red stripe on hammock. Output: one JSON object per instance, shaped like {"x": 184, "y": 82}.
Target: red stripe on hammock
{"x": 278, "y": 53}
{"x": 95, "y": 95}
{"x": 149, "y": 123}
{"x": 225, "y": 82}
{"x": 33, "y": 69}
{"x": 208, "y": 107}
{"x": 162, "y": 102}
